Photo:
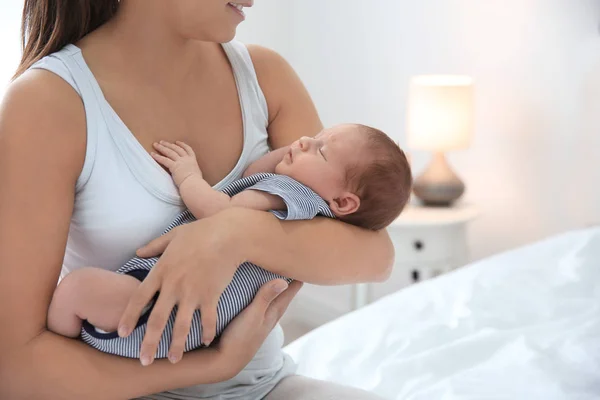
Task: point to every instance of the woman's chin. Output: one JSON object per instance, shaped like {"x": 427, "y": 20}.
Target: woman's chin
{"x": 226, "y": 32}
{"x": 222, "y": 35}
{"x": 226, "y": 37}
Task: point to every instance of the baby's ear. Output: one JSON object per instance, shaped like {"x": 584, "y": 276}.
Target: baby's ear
{"x": 347, "y": 203}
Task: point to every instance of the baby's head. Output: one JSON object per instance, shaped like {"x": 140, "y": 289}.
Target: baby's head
{"x": 361, "y": 173}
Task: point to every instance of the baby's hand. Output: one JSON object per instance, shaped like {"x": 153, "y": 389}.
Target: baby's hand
{"x": 179, "y": 158}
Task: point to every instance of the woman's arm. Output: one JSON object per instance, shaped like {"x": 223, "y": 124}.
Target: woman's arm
{"x": 199, "y": 259}
{"x": 349, "y": 254}
{"x": 288, "y": 248}
{"x": 268, "y": 162}
{"x": 42, "y": 125}
{"x": 346, "y": 254}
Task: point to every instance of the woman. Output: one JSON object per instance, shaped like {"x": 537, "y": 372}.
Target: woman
{"x": 79, "y": 188}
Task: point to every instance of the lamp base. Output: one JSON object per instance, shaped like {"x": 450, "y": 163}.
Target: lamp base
{"x": 438, "y": 186}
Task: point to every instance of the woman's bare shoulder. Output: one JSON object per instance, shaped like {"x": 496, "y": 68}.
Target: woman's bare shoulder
{"x": 264, "y": 57}
{"x": 292, "y": 113}
{"x": 270, "y": 68}
{"x": 40, "y": 90}
{"x": 41, "y": 110}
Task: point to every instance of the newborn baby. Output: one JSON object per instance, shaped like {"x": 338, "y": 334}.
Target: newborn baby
{"x": 351, "y": 172}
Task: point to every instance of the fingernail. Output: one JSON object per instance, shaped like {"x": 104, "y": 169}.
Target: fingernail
{"x": 145, "y": 360}
{"x": 123, "y": 331}
{"x": 280, "y": 287}
{"x": 173, "y": 358}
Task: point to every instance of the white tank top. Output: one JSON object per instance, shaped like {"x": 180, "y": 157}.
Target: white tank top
{"x": 124, "y": 198}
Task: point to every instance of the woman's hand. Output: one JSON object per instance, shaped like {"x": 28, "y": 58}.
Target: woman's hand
{"x": 245, "y": 333}
{"x": 198, "y": 262}
{"x": 179, "y": 158}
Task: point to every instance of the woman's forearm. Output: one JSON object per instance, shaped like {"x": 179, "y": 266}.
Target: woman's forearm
{"x": 51, "y": 366}
{"x": 268, "y": 162}
{"x": 321, "y": 251}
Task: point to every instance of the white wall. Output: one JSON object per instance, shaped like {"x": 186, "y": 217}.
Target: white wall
{"x": 267, "y": 23}
{"x": 10, "y": 39}
{"x": 533, "y": 167}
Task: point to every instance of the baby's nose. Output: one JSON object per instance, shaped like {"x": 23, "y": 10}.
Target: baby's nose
{"x": 304, "y": 143}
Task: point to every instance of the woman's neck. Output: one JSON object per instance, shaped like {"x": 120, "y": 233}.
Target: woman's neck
{"x": 138, "y": 40}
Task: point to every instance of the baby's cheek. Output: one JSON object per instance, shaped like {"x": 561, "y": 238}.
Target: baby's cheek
{"x": 280, "y": 168}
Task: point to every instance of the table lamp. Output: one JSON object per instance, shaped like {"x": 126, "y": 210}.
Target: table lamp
{"x": 440, "y": 118}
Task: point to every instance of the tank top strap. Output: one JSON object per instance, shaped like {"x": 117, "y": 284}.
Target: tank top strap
{"x": 105, "y": 128}
{"x": 64, "y": 63}
{"x": 253, "y": 99}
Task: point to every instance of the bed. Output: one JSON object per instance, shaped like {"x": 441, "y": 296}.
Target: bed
{"x": 524, "y": 324}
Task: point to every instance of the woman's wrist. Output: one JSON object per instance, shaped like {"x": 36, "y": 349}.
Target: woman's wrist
{"x": 247, "y": 232}
{"x": 219, "y": 366}
{"x": 238, "y": 230}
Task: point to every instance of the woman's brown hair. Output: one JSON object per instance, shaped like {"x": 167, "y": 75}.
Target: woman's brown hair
{"x": 49, "y": 25}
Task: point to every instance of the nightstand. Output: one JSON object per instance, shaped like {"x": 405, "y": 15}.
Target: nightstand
{"x": 429, "y": 241}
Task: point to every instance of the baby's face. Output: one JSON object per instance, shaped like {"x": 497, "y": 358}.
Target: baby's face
{"x": 321, "y": 162}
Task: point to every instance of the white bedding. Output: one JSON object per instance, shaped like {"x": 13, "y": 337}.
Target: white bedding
{"x": 521, "y": 325}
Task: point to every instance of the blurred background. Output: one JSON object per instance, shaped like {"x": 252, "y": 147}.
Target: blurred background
{"x": 533, "y": 166}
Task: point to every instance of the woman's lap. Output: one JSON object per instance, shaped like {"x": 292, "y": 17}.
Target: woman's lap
{"x": 297, "y": 387}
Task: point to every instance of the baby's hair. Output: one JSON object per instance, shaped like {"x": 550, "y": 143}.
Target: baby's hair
{"x": 383, "y": 182}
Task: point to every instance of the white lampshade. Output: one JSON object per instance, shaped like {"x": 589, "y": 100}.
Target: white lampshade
{"x": 440, "y": 112}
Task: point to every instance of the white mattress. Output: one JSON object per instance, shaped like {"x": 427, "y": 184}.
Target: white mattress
{"x": 521, "y": 325}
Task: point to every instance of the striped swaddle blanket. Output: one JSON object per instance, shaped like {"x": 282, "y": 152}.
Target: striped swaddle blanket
{"x": 301, "y": 202}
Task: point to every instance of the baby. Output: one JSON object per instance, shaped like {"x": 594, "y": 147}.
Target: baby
{"x": 351, "y": 172}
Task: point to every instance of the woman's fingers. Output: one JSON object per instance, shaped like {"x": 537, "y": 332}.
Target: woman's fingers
{"x": 166, "y": 151}
{"x": 269, "y": 292}
{"x": 155, "y": 327}
{"x": 265, "y": 296}
{"x": 248, "y": 330}
{"x": 176, "y": 148}
{"x": 280, "y": 304}
{"x": 208, "y": 315}
{"x": 185, "y": 313}
{"x": 142, "y": 296}
{"x": 157, "y": 246}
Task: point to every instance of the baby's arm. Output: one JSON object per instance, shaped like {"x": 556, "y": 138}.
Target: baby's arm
{"x": 92, "y": 294}
{"x": 203, "y": 201}
{"x": 199, "y": 197}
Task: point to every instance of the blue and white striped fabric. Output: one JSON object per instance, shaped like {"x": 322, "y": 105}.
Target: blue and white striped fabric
{"x": 301, "y": 202}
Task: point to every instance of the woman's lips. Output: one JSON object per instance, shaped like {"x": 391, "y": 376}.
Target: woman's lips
{"x": 238, "y": 9}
